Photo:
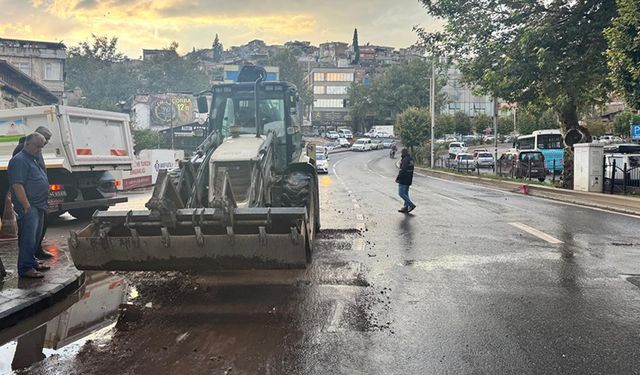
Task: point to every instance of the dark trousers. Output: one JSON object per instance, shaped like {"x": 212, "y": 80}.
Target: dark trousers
{"x": 45, "y": 224}
{"x": 29, "y": 234}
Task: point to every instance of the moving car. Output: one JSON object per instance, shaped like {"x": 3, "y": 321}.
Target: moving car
{"x": 332, "y": 134}
{"x": 463, "y": 161}
{"x": 524, "y": 164}
{"x": 387, "y": 142}
{"x": 483, "y": 159}
{"x": 322, "y": 163}
{"x": 345, "y": 133}
{"x": 344, "y": 143}
{"x": 362, "y": 144}
{"x": 376, "y": 144}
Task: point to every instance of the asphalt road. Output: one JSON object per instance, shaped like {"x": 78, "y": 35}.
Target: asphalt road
{"x": 475, "y": 281}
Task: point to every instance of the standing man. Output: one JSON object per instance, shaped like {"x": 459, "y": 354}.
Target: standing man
{"x": 30, "y": 187}
{"x": 41, "y": 253}
{"x": 404, "y": 180}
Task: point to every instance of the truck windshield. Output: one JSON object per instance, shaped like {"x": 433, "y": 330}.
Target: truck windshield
{"x": 240, "y": 113}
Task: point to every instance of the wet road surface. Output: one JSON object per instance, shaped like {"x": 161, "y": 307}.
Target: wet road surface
{"x": 475, "y": 281}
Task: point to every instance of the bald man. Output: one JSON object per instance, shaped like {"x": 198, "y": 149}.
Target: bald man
{"x": 41, "y": 253}
{"x": 30, "y": 195}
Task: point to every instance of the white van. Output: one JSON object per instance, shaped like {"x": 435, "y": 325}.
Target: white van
{"x": 362, "y": 144}
{"x": 345, "y": 133}
{"x": 457, "y": 147}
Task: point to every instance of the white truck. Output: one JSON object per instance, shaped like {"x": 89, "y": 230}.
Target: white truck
{"x": 86, "y": 145}
{"x": 381, "y": 131}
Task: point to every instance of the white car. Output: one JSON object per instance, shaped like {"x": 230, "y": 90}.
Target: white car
{"x": 344, "y": 143}
{"x": 332, "y": 134}
{"x": 345, "y": 133}
{"x": 362, "y": 144}
{"x": 457, "y": 147}
{"x": 322, "y": 163}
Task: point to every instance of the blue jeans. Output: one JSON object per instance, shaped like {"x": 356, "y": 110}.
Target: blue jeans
{"x": 403, "y": 191}
{"x": 29, "y": 232}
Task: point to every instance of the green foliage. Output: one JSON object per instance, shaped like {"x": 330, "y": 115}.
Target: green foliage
{"x": 530, "y": 119}
{"x": 145, "y": 139}
{"x": 356, "y": 47}
{"x": 596, "y": 127}
{"x": 217, "y": 49}
{"x": 461, "y": 123}
{"x": 444, "y": 125}
{"x": 398, "y": 88}
{"x": 505, "y": 125}
{"x": 622, "y": 54}
{"x": 291, "y": 71}
{"x": 537, "y": 52}
{"x": 622, "y": 123}
{"x": 413, "y": 126}
{"x": 481, "y": 122}
{"x": 107, "y": 77}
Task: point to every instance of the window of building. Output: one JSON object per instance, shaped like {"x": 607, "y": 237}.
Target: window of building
{"x": 52, "y": 71}
{"x": 25, "y": 67}
{"x": 328, "y": 103}
{"x": 340, "y": 77}
{"x": 337, "y": 90}
{"x": 318, "y": 77}
{"x": 318, "y": 89}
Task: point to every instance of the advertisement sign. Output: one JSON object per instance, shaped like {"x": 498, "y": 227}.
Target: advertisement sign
{"x": 12, "y": 130}
{"x": 171, "y": 109}
{"x": 145, "y": 168}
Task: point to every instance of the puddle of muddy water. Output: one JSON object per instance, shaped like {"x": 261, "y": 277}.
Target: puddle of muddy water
{"x": 91, "y": 318}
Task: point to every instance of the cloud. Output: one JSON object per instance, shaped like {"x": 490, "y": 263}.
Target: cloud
{"x": 193, "y": 23}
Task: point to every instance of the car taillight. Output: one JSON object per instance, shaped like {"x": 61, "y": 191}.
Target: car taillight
{"x": 116, "y": 183}
{"x": 56, "y": 187}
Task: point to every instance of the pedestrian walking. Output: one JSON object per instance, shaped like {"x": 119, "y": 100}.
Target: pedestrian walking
{"x": 404, "y": 180}
{"x": 41, "y": 253}
{"x": 30, "y": 193}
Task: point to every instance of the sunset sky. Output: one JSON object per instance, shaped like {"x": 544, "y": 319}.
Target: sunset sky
{"x": 193, "y": 23}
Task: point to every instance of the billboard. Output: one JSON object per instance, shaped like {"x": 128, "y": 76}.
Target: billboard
{"x": 171, "y": 109}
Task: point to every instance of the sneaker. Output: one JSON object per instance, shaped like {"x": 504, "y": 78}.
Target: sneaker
{"x": 403, "y": 210}
{"x": 411, "y": 208}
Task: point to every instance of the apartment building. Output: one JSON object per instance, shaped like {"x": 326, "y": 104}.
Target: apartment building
{"x": 330, "y": 93}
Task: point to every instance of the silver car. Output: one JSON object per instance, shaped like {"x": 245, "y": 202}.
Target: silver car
{"x": 484, "y": 160}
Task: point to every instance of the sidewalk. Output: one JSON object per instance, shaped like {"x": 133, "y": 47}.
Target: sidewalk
{"x": 21, "y": 299}
{"x": 623, "y": 204}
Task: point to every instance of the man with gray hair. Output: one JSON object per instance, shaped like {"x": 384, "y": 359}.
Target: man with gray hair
{"x": 30, "y": 194}
{"x": 41, "y": 253}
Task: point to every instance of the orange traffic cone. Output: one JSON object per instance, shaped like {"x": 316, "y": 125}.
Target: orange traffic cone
{"x": 9, "y": 228}
{"x": 523, "y": 189}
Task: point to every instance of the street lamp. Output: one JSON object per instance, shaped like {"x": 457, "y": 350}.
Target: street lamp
{"x": 432, "y": 104}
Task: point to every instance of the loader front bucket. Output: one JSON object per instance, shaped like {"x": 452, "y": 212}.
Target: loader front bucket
{"x": 199, "y": 239}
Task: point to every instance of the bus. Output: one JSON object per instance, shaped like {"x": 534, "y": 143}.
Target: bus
{"x": 549, "y": 142}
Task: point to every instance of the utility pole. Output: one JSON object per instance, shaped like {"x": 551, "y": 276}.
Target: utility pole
{"x": 171, "y": 124}
{"x": 495, "y": 132}
{"x": 432, "y": 98}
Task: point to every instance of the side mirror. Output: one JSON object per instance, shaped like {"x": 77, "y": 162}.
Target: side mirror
{"x": 203, "y": 105}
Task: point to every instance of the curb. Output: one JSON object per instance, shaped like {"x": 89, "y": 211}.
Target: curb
{"x": 615, "y": 203}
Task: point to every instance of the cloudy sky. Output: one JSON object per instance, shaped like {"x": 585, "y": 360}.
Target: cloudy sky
{"x": 193, "y": 23}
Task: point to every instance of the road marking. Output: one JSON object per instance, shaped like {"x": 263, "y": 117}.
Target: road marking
{"x": 446, "y": 197}
{"x": 537, "y": 233}
{"x": 333, "y": 323}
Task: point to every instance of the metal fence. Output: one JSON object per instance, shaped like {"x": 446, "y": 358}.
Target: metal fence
{"x": 503, "y": 168}
{"x": 621, "y": 177}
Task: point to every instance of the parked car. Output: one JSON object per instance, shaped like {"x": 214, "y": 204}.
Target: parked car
{"x": 483, "y": 159}
{"x": 362, "y": 144}
{"x": 387, "y": 142}
{"x": 609, "y": 138}
{"x": 345, "y": 133}
{"x": 457, "y": 147}
{"x": 524, "y": 164}
{"x": 332, "y": 134}
{"x": 322, "y": 163}
{"x": 343, "y": 142}
{"x": 376, "y": 144}
{"x": 463, "y": 161}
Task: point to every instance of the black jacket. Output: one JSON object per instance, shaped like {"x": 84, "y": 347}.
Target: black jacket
{"x": 405, "y": 176}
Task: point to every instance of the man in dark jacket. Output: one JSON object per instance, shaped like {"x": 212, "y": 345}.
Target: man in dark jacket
{"x": 41, "y": 253}
{"x": 404, "y": 180}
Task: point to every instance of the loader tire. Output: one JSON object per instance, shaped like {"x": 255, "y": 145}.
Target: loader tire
{"x": 300, "y": 190}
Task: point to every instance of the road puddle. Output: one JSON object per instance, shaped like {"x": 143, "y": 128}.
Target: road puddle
{"x": 93, "y": 318}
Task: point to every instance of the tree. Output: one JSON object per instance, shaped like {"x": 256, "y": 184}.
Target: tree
{"x": 444, "y": 125}
{"x": 481, "y": 122}
{"x": 217, "y": 49}
{"x": 101, "y": 71}
{"x": 461, "y": 123}
{"x": 170, "y": 72}
{"x": 291, "y": 71}
{"x": 356, "y": 48}
{"x": 622, "y": 54}
{"x": 412, "y": 126}
{"x": 145, "y": 139}
{"x": 596, "y": 127}
{"x": 544, "y": 53}
{"x": 622, "y": 123}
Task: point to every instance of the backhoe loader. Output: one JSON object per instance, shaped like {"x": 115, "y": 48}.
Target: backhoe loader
{"x": 248, "y": 199}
